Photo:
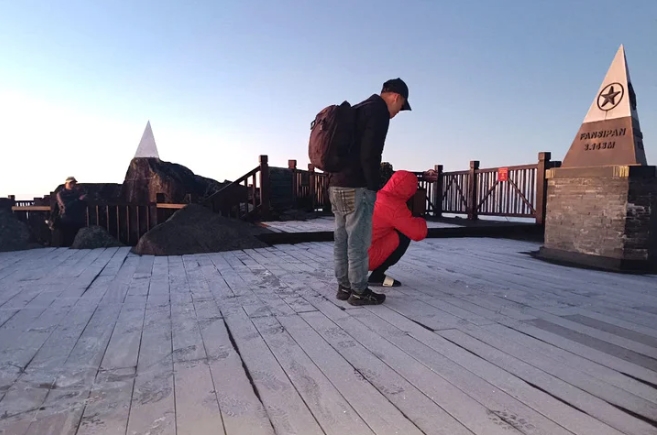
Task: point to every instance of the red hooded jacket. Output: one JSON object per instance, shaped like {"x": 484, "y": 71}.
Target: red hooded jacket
{"x": 391, "y": 213}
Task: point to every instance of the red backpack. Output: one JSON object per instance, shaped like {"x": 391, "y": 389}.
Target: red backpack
{"x": 332, "y": 137}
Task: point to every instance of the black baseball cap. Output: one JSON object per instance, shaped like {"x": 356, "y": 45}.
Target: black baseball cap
{"x": 397, "y": 86}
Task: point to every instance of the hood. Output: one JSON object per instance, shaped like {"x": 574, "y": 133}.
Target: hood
{"x": 402, "y": 184}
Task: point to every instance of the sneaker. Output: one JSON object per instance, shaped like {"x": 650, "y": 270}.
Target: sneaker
{"x": 368, "y": 297}
{"x": 386, "y": 281}
{"x": 343, "y": 293}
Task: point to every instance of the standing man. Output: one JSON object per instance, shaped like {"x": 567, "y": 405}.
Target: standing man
{"x": 72, "y": 210}
{"x": 352, "y": 192}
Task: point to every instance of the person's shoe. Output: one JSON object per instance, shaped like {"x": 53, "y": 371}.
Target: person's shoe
{"x": 384, "y": 281}
{"x": 368, "y": 297}
{"x": 343, "y": 293}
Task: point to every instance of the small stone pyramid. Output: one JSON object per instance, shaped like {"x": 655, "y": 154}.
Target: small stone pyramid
{"x": 147, "y": 148}
{"x": 611, "y": 133}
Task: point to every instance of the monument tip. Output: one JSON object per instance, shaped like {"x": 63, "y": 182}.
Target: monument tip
{"x": 147, "y": 147}
{"x": 610, "y": 133}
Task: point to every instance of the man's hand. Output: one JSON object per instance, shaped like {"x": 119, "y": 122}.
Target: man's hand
{"x": 83, "y": 197}
{"x": 430, "y": 176}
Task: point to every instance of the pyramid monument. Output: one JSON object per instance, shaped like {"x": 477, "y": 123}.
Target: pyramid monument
{"x": 147, "y": 147}
{"x": 148, "y": 175}
{"x": 611, "y": 133}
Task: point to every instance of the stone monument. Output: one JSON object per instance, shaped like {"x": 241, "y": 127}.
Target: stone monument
{"x": 148, "y": 175}
{"x": 602, "y": 201}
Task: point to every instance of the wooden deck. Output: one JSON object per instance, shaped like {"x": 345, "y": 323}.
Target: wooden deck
{"x": 482, "y": 339}
{"x": 325, "y": 223}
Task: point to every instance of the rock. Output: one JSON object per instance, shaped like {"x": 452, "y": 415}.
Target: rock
{"x": 195, "y": 229}
{"x": 94, "y": 237}
{"x": 146, "y": 177}
{"x": 14, "y": 234}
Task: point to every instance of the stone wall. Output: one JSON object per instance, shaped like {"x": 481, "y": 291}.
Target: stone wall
{"x": 603, "y": 212}
{"x": 586, "y": 215}
{"x": 641, "y": 221}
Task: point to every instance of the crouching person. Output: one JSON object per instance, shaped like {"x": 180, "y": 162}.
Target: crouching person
{"x": 393, "y": 227}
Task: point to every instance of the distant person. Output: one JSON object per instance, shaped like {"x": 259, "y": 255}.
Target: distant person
{"x": 352, "y": 192}
{"x": 71, "y": 201}
{"x": 393, "y": 226}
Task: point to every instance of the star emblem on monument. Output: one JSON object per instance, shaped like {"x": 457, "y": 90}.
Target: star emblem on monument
{"x": 610, "y": 96}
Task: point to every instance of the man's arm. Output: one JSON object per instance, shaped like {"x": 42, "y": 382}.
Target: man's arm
{"x": 60, "y": 201}
{"x": 375, "y": 130}
{"x": 415, "y": 228}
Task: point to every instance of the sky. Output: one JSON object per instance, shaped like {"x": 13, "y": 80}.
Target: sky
{"x": 225, "y": 81}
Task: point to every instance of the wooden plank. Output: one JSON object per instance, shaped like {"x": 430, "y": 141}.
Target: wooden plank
{"x": 612, "y": 345}
{"x": 152, "y": 409}
{"x": 576, "y": 363}
{"x": 31, "y": 208}
{"x": 45, "y": 359}
{"x": 588, "y": 403}
{"x": 187, "y": 341}
{"x": 16, "y": 425}
{"x": 468, "y": 412}
{"x": 123, "y": 348}
{"x": 197, "y": 409}
{"x": 287, "y": 411}
{"x": 586, "y": 352}
{"x": 371, "y": 404}
{"x": 558, "y": 411}
{"x": 334, "y": 414}
{"x": 241, "y": 410}
{"x": 419, "y": 408}
{"x": 63, "y": 408}
{"x": 107, "y": 409}
{"x": 620, "y": 323}
{"x": 118, "y": 288}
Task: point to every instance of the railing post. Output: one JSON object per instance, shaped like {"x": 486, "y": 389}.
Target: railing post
{"x": 160, "y": 198}
{"x": 472, "y": 190}
{"x": 265, "y": 186}
{"x": 438, "y": 192}
{"x": 541, "y": 186}
{"x": 312, "y": 186}
{"x": 292, "y": 166}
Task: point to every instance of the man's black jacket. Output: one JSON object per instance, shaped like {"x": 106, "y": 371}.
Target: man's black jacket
{"x": 364, "y": 165}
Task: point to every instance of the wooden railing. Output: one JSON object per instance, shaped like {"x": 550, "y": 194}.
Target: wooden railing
{"x": 125, "y": 222}
{"x": 310, "y": 188}
{"x": 513, "y": 191}
{"x": 245, "y": 198}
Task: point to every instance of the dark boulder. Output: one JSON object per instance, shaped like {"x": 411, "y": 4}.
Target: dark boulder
{"x": 195, "y": 229}
{"x": 94, "y": 237}
{"x": 146, "y": 177}
{"x": 14, "y": 234}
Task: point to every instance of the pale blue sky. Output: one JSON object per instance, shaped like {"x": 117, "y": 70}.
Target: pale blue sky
{"x": 225, "y": 81}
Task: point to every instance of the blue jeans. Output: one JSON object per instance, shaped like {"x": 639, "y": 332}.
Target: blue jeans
{"x": 353, "y": 209}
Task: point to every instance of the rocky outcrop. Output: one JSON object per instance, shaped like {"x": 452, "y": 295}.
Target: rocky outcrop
{"x": 94, "y": 237}
{"x": 146, "y": 177}
{"x": 14, "y": 234}
{"x": 195, "y": 229}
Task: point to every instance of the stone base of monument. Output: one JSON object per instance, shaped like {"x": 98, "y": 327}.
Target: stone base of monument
{"x": 602, "y": 217}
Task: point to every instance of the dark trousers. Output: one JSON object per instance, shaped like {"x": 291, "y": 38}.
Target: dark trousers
{"x": 68, "y": 231}
{"x": 393, "y": 258}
